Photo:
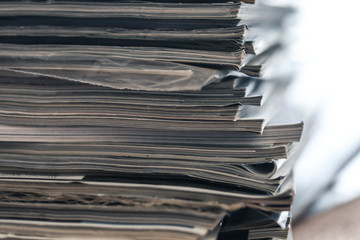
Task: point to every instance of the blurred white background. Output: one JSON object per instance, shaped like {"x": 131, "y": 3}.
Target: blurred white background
{"x": 326, "y": 50}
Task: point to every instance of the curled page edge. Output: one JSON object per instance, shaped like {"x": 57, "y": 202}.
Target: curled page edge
{"x": 188, "y": 78}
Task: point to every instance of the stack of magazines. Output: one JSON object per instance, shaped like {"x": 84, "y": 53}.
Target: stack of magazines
{"x": 159, "y": 119}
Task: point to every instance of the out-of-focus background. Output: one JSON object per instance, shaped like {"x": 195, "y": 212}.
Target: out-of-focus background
{"x": 326, "y": 51}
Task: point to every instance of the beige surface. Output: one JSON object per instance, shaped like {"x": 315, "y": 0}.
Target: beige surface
{"x": 340, "y": 223}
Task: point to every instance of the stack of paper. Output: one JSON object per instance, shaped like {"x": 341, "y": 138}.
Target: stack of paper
{"x": 144, "y": 120}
